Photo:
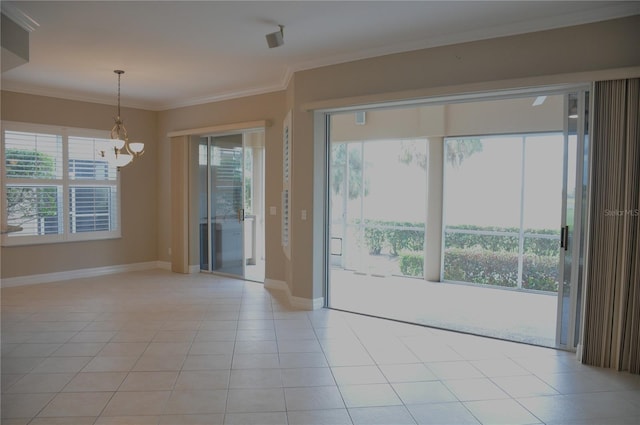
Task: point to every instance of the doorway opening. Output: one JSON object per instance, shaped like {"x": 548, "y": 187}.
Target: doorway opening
{"x": 464, "y": 214}
{"x": 231, "y": 204}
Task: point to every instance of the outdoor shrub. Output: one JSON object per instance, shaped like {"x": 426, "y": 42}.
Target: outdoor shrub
{"x": 540, "y": 272}
{"x": 501, "y": 268}
{"x": 379, "y": 233}
{"x": 399, "y": 238}
{"x": 481, "y": 266}
{"x": 411, "y": 263}
{"x": 532, "y": 245}
{"x": 374, "y": 238}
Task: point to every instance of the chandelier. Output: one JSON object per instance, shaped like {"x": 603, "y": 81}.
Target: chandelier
{"x": 120, "y": 151}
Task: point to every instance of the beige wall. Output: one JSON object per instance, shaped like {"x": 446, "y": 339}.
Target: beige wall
{"x": 137, "y": 185}
{"x": 576, "y": 54}
{"x": 269, "y": 107}
{"x": 532, "y": 59}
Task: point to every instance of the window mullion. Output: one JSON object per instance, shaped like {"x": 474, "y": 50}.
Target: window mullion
{"x": 65, "y": 186}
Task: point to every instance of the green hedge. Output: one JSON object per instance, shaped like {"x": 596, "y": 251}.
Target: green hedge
{"x": 379, "y": 234}
{"x": 412, "y": 263}
{"x": 489, "y": 268}
{"x": 501, "y": 268}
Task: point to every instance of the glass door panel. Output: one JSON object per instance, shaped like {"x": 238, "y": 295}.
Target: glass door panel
{"x": 231, "y": 207}
{"x": 572, "y": 242}
{"x": 254, "y": 206}
{"x": 227, "y": 212}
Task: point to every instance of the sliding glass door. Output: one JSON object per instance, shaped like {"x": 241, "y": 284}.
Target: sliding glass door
{"x": 465, "y": 215}
{"x": 231, "y": 187}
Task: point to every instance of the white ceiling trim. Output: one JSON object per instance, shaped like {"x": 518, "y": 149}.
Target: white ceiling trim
{"x": 19, "y": 17}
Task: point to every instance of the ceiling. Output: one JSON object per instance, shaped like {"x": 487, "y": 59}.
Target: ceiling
{"x": 178, "y": 53}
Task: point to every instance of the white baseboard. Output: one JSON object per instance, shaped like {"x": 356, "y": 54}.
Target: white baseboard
{"x": 279, "y": 285}
{"x": 78, "y": 274}
{"x": 164, "y": 265}
{"x": 194, "y": 268}
{"x": 295, "y": 302}
{"x": 579, "y": 351}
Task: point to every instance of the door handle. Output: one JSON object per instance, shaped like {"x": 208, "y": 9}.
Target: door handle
{"x": 240, "y": 214}
{"x": 564, "y": 237}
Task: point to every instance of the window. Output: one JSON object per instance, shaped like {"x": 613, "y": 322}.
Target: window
{"x": 56, "y": 186}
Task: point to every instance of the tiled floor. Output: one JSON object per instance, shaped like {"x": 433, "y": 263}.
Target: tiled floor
{"x": 159, "y": 348}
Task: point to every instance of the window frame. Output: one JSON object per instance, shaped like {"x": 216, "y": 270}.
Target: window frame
{"x": 66, "y": 182}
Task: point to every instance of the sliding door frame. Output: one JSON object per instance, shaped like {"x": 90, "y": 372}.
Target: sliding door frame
{"x": 322, "y": 130}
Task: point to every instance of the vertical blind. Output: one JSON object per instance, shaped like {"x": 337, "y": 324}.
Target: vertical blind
{"x": 612, "y": 311}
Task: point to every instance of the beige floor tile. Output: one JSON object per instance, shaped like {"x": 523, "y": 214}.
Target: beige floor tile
{"x": 95, "y": 381}
{"x": 369, "y": 395}
{"x": 300, "y": 360}
{"x": 263, "y": 418}
{"x": 24, "y": 405}
{"x": 8, "y": 379}
{"x": 137, "y": 403}
{"x": 256, "y": 400}
{"x": 211, "y": 419}
{"x": 255, "y": 378}
{"x": 454, "y": 370}
{"x": 61, "y": 364}
{"x": 18, "y": 365}
{"x": 143, "y": 335}
{"x": 174, "y": 336}
{"x": 123, "y": 349}
{"x": 210, "y": 362}
{"x": 319, "y": 417}
{"x": 110, "y": 364}
{"x": 354, "y": 375}
{"x": 33, "y": 350}
{"x": 423, "y": 392}
{"x": 212, "y": 347}
{"x": 203, "y": 380}
{"x": 167, "y": 349}
{"x": 313, "y": 398}
{"x": 159, "y": 363}
{"x": 128, "y": 420}
{"x": 524, "y": 386}
{"x": 76, "y": 404}
{"x": 415, "y": 372}
{"x": 67, "y": 420}
{"x": 41, "y": 383}
{"x": 475, "y": 389}
{"x": 383, "y": 415}
{"x": 196, "y": 402}
{"x": 255, "y": 347}
{"x": 149, "y": 381}
{"x": 452, "y": 413}
{"x": 255, "y": 361}
{"x": 93, "y": 336}
{"x": 506, "y": 412}
{"x": 79, "y": 349}
{"x": 307, "y": 377}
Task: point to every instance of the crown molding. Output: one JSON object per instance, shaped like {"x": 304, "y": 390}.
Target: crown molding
{"x": 17, "y": 15}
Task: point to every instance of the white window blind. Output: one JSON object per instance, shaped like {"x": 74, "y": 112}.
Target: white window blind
{"x": 286, "y": 185}
{"x": 56, "y": 186}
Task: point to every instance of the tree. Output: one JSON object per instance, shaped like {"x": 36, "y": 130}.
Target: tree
{"x": 338, "y": 162}
{"x": 457, "y": 150}
{"x": 28, "y": 203}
